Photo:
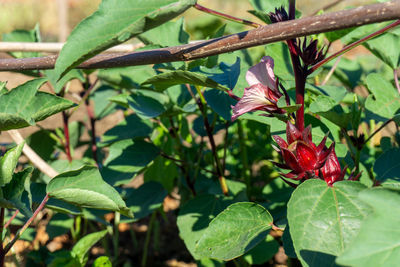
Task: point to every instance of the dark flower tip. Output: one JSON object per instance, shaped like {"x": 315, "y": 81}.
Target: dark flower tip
{"x": 279, "y": 15}
{"x": 308, "y": 51}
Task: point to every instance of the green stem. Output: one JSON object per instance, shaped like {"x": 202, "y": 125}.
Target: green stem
{"x": 353, "y": 45}
{"x": 226, "y": 16}
{"x": 202, "y": 104}
{"x": 377, "y": 130}
{"x": 117, "y": 217}
{"x": 147, "y": 240}
{"x": 243, "y": 153}
{"x": 179, "y": 146}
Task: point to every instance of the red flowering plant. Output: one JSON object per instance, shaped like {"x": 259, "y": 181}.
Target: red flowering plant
{"x": 300, "y": 155}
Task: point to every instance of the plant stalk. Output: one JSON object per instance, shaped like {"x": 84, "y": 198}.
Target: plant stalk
{"x": 26, "y": 225}
{"x": 202, "y": 104}
{"x": 67, "y": 143}
{"x": 147, "y": 240}
{"x": 2, "y": 251}
{"x": 11, "y": 219}
{"x": 353, "y": 45}
{"x": 117, "y": 217}
{"x": 226, "y": 16}
{"x": 243, "y": 153}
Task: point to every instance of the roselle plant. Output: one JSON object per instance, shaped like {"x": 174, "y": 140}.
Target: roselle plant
{"x": 264, "y": 147}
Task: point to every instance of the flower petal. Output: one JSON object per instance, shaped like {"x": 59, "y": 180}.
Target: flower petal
{"x": 262, "y": 73}
{"x": 279, "y": 140}
{"x": 253, "y": 98}
{"x": 291, "y": 160}
{"x": 331, "y": 170}
{"x": 306, "y": 156}
{"x": 292, "y": 133}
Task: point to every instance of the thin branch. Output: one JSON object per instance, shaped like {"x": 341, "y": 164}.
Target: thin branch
{"x": 11, "y": 219}
{"x": 377, "y": 130}
{"x": 328, "y": 6}
{"x": 32, "y": 156}
{"x": 263, "y": 35}
{"x": 23, "y": 228}
{"x": 352, "y": 45}
{"x": 331, "y": 71}
{"x": 226, "y": 16}
{"x": 56, "y": 47}
{"x": 67, "y": 144}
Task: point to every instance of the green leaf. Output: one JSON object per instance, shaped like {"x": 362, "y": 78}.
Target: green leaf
{"x": 323, "y": 219}
{"x": 127, "y": 77}
{"x": 59, "y": 224}
{"x": 167, "y": 79}
{"x": 194, "y": 217}
{"x": 23, "y": 36}
{"x": 113, "y": 23}
{"x": 131, "y": 127}
{"x": 226, "y": 75}
{"x": 263, "y": 252}
{"x": 39, "y": 192}
{"x": 396, "y": 119}
{"x": 386, "y": 48}
{"x": 126, "y": 158}
{"x": 163, "y": 171}
{"x": 23, "y": 106}
{"x": 322, "y": 104}
{"x": 102, "y": 105}
{"x": 3, "y": 88}
{"x": 377, "y": 243}
{"x": 102, "y": 261}
{"x": 13, "y": 193}
{"x": 220, "y": 102}
{"x": 131, "y": 155}
{"x": 146, "y": 199}
{"x": 8, "y": 163}
{"x": 385, "y": 100}
{"x": 236, "y": 230}
{"x": 289, "y": 109}
{"x": 85, "y": 243}
{"x": 42, "y": 143}
{"x": 58, "y": 85}
{"x": 168, "y": 34}
{"x": 387, "y": 166}
{"x": 268, "y": 6}
{"x": 148, "y": 104}
{"x": 86, "y": 188}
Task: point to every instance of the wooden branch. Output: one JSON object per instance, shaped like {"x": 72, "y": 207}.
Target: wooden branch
{"x": 32, "y": 156}
{"x": 56, "y": 47}
{"x": 260, "y": 36}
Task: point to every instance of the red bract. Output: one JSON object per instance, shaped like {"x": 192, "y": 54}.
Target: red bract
{"x": 331, "y": 171}
{"x": 263, "y": 93}
{"x": 300, "y": 154}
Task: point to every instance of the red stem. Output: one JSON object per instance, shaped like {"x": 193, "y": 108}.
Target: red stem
{"x": 351, "y": 46}
{"x": 2, "y": 252}
{"x": 66, "y": 134}
{"x": 11, "y": 219}
{"x": 92, "y": 120}
{"x": 300, "y": 84}
{"x": 21, "y": 230}
{"x": 292, "y": 9}
{"x": 226, "y": 16}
